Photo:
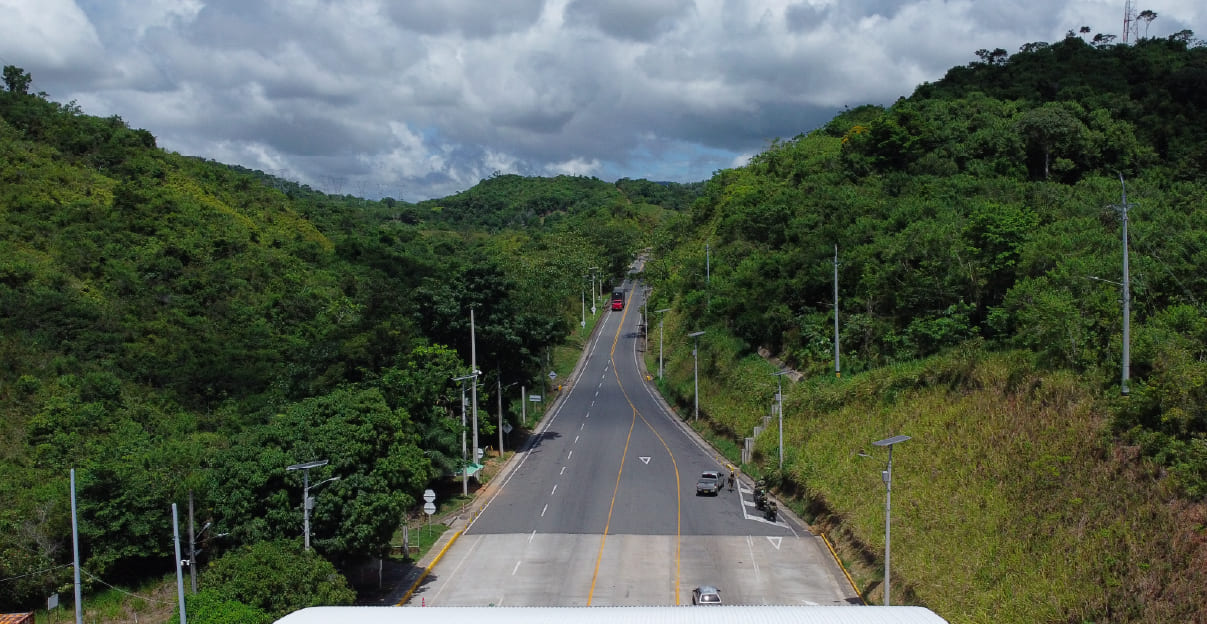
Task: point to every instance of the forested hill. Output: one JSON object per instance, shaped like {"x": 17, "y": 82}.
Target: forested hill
{"x": 173, "y": 324}
{"x": 973, "y": 233}
{"x": 1156, "y": 85}
{"x": 513, "y": 201}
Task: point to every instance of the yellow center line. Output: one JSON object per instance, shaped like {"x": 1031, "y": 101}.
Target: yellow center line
{"x": 616, "y": 489}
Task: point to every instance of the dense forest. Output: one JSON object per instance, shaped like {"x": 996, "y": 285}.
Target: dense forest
{"x": 974, "y": 234}
{"x": 174, "y": 325}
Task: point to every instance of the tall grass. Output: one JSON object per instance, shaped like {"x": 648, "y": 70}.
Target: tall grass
{"x": 1011, "y": 503}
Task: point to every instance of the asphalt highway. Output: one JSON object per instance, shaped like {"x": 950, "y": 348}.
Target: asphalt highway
{"x": 600, "y": 509}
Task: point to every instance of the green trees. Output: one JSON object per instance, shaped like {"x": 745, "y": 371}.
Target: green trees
{"x": 372, "y": 448}
{"x": 173, "y": 324}
{"x": 1052, "y": 132}
{"x": 978, "y": 208}
{"x": 16, "y": 80}
{"x": 265, "y": 581}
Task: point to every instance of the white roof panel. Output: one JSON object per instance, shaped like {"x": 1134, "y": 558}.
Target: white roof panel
{"x": 616, "y": 615}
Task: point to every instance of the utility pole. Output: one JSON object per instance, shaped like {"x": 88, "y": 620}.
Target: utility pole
{"x": 1127, "y": 307}
{"x": 659, "y": 313}
{"x": 696, "y": 369}
{"x": 837, "y": 367}
{"x": 192, "y": 547}
{"x": 499, "y": 383}
{"x": 179, "y": 576}
{"x": 464, "y": 462}
{"x": 473, "y": 364}
{"x": 75, "y": 547}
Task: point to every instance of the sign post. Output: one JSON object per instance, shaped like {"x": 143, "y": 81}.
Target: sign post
{"x": 429, "y": 508}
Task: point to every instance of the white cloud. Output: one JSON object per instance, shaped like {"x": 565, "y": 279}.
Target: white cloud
{"x": 425, "y": 99}
{"x": 52, "y": 35}
{"x": 575, "y": 166}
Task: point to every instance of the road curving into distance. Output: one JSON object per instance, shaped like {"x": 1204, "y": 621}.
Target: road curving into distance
{"x": 600, "y": 509}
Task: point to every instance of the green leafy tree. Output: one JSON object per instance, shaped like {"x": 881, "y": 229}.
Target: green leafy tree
{"x": 372, "y": 448}
{"x": 274, "y": 578}
{"x": 16, "y": 80}
{"x": 1052, "y": 132}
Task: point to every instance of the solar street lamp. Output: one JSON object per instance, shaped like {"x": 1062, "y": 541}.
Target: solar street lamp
{"x": 887, "y": 475}
{"x": 307, "y": 502}
{"x": 779, "y": 400}
{"x": 696, "y": 368}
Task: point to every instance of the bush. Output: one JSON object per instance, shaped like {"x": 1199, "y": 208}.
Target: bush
{"x": 276, "y": 578}
{"x": 208, "y": 607}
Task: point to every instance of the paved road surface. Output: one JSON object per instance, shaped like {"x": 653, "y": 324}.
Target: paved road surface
{"x": 600, "y": 509}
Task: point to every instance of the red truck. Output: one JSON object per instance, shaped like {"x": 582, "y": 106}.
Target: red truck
{"x": 617, "y": 299}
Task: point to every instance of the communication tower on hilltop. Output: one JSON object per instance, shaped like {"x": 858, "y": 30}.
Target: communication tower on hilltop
{"x": 1130, "y": 28}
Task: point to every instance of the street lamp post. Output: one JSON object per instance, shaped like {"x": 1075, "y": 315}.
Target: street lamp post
{"x": 779, "y": 399}
{"x": 307, "y": 502}
{"x": 501, "y": 388}
{"x": 594, "y": 297}
{"x": 473, "y": 395}
{"x": 464, "y": 464}
{"x": 696, "y": 369}
{"x": 887, "y": 476}
{"x": 659, "y": 313}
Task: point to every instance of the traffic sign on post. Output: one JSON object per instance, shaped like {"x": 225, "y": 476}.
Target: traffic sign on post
{"x": 429, "y": 496}
{"x": 429, "y": 508}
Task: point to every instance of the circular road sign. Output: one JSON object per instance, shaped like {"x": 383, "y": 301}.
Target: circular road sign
{"x": 429, "y": 508}
{"x": 429, "y": 496}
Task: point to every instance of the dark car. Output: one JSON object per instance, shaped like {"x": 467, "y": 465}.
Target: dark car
{"x": 706, "y": 595}
{"x": 710, "y": 482}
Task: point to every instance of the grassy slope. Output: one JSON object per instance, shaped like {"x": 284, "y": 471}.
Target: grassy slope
{"x": 1008, "y": 503}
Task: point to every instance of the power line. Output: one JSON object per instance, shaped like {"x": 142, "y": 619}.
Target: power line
{"x": 42, "y": 571}
{"x": 118, "y": 589}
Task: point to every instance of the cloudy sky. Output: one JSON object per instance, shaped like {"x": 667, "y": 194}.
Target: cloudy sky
{"x": 415, "y": 99}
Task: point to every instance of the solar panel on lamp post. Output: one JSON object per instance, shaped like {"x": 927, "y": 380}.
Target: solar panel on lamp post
{"x": 887, "y": 476}
{"x": 306, "y": 502}
{"x": 779, "y": 399}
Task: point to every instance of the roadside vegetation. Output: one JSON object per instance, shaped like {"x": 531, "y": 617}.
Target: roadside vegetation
{"x": 977, "y": 230}
{"x": 175, "y": 325}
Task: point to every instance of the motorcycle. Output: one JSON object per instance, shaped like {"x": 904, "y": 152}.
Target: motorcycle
{"x": 770, "y": 512}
